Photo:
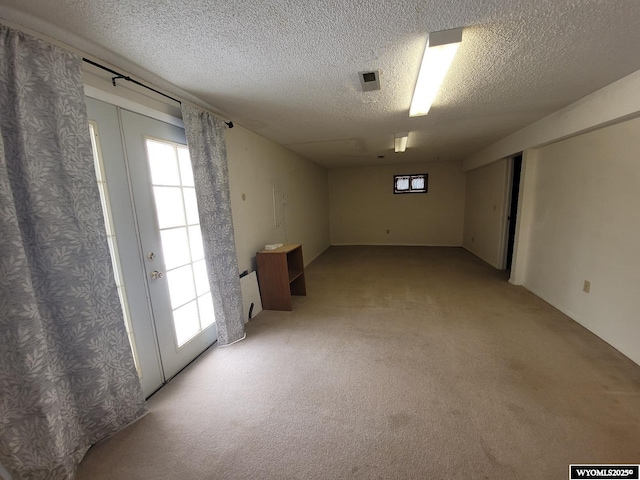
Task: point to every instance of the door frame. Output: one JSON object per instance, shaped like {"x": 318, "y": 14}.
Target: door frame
{"x": 126, "y": 170}
{"x": 98, "y": 86}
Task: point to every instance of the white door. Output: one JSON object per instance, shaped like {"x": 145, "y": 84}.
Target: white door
{"x": 165, "y": 204}
{"x": 157, "y": 236}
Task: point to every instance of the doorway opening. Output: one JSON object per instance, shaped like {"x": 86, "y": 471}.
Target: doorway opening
{"x": 513, "y": 208}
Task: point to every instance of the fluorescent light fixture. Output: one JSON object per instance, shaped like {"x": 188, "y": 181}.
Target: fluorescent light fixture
{"x": 401, "y": 141}
{"x": 438, "y": 54}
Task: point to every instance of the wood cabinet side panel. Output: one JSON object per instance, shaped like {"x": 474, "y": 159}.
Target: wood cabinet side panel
{"x": 273, "y": 278}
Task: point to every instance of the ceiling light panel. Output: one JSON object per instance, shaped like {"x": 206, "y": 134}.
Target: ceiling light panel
{"x": 400, "y": 143}
{"x": 438, "y": 55}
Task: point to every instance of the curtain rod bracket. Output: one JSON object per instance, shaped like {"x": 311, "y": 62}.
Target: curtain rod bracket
{"x": 113, "y": 79}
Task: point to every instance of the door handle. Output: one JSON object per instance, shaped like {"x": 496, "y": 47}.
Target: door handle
{"x": 155, "y": 275}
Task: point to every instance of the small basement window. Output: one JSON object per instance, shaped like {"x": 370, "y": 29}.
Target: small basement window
{"x": 415, "y": 183}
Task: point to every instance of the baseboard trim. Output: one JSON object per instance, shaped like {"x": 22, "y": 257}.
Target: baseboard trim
{"x": 573, "y": 316}
{"x": 308, "y": 261}
{"x": 395, "y": 245}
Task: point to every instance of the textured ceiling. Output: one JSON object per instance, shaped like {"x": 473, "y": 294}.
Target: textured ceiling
{"x": 289, "y": 69}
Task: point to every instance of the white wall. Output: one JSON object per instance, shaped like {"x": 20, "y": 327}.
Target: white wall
{"x": 364, "y": 207}
{"x": 256, "y": 166}
{"x": 586, "y": 226}
{"x": 576, "y": 219}
{"x": 485, "y": 212}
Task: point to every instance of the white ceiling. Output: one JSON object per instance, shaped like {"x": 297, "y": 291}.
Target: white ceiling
{"x": 288, "y": 69}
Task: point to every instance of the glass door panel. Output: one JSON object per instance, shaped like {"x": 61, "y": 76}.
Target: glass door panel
{"x": 181, "y": 237}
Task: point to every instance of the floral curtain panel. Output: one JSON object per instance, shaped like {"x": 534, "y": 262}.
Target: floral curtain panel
{"x": 208, "y": 152}
{"x": 67, "y": 377}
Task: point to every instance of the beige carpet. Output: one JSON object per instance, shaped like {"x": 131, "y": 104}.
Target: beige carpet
{"x": 400, "y": 363}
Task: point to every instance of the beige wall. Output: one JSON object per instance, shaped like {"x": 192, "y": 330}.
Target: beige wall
{"x": 586, "y": 226}
{"x": 256, "y": 166}
{"x": 485, "y": 212}
{"x": 364, "y": 207}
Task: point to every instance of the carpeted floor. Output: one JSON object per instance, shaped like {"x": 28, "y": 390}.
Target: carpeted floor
{"x": 401, "y": 363}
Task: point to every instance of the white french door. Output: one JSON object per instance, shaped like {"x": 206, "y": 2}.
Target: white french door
{"x": 165, "y": 203}
{"x": 156, "y": 229}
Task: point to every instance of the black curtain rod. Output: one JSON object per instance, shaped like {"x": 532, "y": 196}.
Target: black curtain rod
{"x": 129, "y": 79}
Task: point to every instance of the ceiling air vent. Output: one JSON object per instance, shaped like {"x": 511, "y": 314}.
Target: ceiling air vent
{"x": 370, "y": 81}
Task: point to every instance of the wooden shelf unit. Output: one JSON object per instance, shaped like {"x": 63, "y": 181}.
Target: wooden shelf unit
{"x": 280, "y": 275}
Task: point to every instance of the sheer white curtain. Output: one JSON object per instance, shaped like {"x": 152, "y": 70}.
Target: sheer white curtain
{"x": 67, "y": 377}
{"x": 208, "y": 152}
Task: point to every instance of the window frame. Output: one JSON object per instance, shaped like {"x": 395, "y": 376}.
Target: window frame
{"x": 411, "y": 176}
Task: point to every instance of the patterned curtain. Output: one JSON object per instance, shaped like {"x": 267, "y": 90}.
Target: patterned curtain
{"x": 67, "y": 377}
{"x": 208, "y": 152}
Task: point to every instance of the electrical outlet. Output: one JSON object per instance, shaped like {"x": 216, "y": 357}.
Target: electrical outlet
{"x": 388, "y": 231}
{"x": 587, "y": 286}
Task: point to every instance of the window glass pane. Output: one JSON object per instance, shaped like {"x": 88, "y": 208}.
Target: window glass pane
{"x": 162, "y": 163}
{"x": 402, "y": 183}
{"x": 185, "y": 166}
{"x": 207, "y": 315}
{"x": 200, "y": 275}
{"x": 175, "y": 247}
{"x": 185, "y": 320}
{"x": 417, "y": 183}
{"x": 181, "y": 286}
{"x": 195, "y": 240}
{"x": 191, "y": 205}
{"x": 169, "y": 206}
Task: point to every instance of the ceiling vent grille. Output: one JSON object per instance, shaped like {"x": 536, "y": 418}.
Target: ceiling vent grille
{"x": 370, "y": 81}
